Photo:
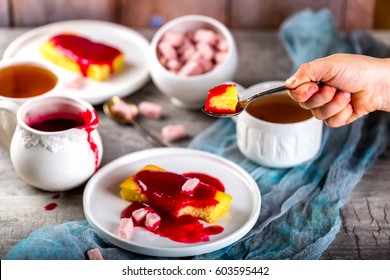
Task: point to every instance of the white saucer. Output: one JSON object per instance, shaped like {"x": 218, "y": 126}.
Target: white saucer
{"x": 134, "y": 46}
{"x": 103, "y": 204}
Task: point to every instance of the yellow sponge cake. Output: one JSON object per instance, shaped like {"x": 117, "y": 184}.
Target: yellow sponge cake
{"x": 78, "y": 54}
{"x": 222, "y": 99}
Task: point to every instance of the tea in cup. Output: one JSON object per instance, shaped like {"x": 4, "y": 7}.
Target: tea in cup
{"x": 275, "y": 131}
{"x": 21, "y": 80}
{"x": 56, "y": 146}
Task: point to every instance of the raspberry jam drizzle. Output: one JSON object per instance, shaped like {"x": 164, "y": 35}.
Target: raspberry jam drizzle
{"x": 85, "y": 52}
{"x": 164, "y": 195}
{"x": 184, "y": 229}
{"x": 57, "y": 122}
{"x": 163, "y": 191}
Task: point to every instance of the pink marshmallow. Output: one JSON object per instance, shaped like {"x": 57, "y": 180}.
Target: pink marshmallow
{"x": 125, "y": 110}
{"x": 126, "y": 228}
{"x": 167, "y": 50}
{"x": 204, "y": 63}
{"x": 220, "y": 57}
{"x": 171, "y": 133}
{"x": 152, "y": 221}
{"x": 94, "y": 254}
{"x": 186, "y": 45}
{"x": 173, "y": 64}
{"x": 187, "y": 53}
{"x": 205, "y": 50}
{"x": 222, "y": 45}
{"x": 191, "y": 68}
{"x": 206, "y": 36}
{"x": 139, "y": 215}
{"x": 150, "y": 110}
{"x": 163, "y": 60}
{"x": 174, "y": 39}
{"x": 76, "y": 83}
{"x": 190, "y": 185}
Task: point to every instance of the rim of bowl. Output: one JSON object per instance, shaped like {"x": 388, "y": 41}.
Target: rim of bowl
{"x": 219, "y": 26}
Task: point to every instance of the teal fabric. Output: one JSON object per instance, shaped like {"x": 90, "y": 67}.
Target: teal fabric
{"x": 300, "y": 206}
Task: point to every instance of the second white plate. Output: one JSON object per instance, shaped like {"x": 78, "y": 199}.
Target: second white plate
{"x": 103, "y": 204}
{"x": 134, "y": 46}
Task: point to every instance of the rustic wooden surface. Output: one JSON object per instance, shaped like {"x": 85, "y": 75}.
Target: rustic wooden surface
{"x": 365, "y": 232}
{"x": 348, "y": 14}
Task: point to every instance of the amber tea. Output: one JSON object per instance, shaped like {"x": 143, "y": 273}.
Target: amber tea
{"x": 25, "y": 80}
{"x": 279, "y": 108}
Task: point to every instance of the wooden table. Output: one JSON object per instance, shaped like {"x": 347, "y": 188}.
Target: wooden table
{"x": 365, "y": 232}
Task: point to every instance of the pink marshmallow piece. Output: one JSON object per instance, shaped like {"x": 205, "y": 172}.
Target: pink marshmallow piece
{"x": 152, "y": 221}
{"x": 174, "y": 38}
{"x": 190, "y": 185}
{"x": 126, "y": 228}
{"x": 171, "y": 133}
{"x": 186, "y": 45}
{"x": 206, "y": 51}
{"x": 222, "y": 45}
{"x": 187, "y": 53}
{"x": 204, "y": 63}
{"x": 150, "y": 110}
{"x": 167, "y": 50}
{"x": 76, "y": 83}
{"x": 206, "y": 36}
{"x": 139, "y": 215}
{"x": 220, "y": 57}
{"x": 191, "y": 68}
{"x": 125, "y": 110}
{"x": 173, "y": 64}
{"x": 94, "y": 254}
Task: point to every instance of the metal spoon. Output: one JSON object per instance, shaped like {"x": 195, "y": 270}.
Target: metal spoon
{"x": 243, "y": 103}
{"x": 107, "y": 108}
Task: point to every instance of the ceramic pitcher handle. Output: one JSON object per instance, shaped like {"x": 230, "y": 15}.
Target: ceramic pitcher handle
{"x": 8, "y": 111}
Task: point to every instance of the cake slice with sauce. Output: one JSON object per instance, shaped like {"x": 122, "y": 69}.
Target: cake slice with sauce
{"x": 163, "y": 191}
{"x": 222, "y": 99}
{"x": 95, "y": 60}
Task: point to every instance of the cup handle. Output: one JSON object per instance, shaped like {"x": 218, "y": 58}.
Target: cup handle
{"x": 7, "y": 124}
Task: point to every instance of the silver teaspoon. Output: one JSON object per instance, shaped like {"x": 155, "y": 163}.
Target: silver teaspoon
{"x": 107, "y": 108}
{"x": 243, "y": 103}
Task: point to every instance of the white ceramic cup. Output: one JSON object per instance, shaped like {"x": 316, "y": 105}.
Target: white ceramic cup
{"x": 54, "y": 159}
{"x": 191, "y": 92}
{"x": 7, "y": 120}
{"x": 278, "y": 145}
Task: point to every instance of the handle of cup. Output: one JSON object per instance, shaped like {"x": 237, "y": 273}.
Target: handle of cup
{"x": 8, "y": 111}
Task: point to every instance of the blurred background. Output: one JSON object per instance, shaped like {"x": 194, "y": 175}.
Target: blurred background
{"x": 244, "y": 14}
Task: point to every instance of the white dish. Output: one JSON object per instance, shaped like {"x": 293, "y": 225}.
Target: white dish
{"x": 131, "y": 43}
{"x": 103, "y": 204}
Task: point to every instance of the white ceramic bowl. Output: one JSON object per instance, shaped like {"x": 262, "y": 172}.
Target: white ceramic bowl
{"x": 191, "y": 92}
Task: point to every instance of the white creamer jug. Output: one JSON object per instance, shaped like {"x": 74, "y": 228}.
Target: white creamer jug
{"x": 56, "y": 146}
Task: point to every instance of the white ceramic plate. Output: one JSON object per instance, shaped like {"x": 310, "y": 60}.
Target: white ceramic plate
{"x": 103, "y": 204}
{"x": 131, "y": 43}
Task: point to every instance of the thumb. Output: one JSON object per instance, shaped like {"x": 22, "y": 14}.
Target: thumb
{"x": 301, "y": 76}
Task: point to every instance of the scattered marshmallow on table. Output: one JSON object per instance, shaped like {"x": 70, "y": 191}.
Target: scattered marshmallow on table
{"x": 150, "y": 110}
{"x": 94, "y": 254}
{"x": 125, "y": 110}
{"x": 173, "y": 132}
{"x": 192, "y": 53}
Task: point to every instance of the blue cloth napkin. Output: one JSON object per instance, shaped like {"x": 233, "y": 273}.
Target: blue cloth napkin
{"x": 300, "y": 206}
